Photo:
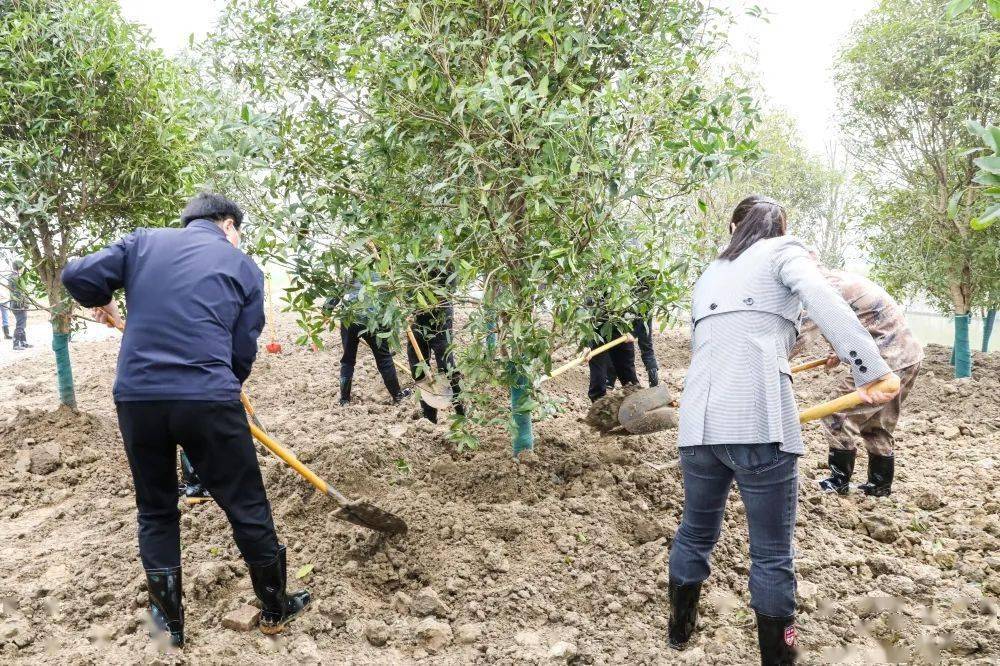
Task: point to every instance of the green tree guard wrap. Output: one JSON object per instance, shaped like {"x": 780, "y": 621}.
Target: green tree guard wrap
{"x": 524, "y": 440}
{"x": 64, "y": 369}
{"x": 963, "y": 355}
{"x": 491, "y": 337}
{"x": 991, "y": 317}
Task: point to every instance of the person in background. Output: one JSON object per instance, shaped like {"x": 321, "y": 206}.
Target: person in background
{"x": 739, "y": 420}
{"x": 352, "y": 332}
{"x": 191, "y": 488}
{"x": 196, "y": 308}
{"x": 871, "y": 424}
{"x": 619, "y": 360}
{"x": 6, "y": 322}
{"x": 433, "y": 329}
{"x": 18, "y": 305}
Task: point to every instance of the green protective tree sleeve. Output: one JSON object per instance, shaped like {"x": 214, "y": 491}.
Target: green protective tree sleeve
{"x": 524, "y": 440}
{"x": 64, "y": 369}
{"x": 962, "y": 353}
{"x": 991, "y": 317}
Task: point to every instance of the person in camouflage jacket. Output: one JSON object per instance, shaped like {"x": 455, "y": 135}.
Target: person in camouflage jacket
{"x": 871, "y": 424}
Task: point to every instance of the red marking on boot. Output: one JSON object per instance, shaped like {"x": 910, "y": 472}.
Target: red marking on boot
{"x": 790, "y": 635}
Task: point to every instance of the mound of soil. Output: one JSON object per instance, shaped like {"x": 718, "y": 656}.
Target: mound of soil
{"x": 559, "y": 556}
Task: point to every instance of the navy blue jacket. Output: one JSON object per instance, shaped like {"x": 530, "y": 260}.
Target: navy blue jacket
{"x": 195, "y": 310}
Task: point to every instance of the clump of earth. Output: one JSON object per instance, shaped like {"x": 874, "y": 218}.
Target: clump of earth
{"x": 559, "y": 556}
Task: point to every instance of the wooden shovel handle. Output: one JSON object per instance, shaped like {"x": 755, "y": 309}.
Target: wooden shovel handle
{"x": 844, "y": 402}
{"x": 809, "y": 365}
{"x": 413, "y": 342}
{"x": 583, "y": 358}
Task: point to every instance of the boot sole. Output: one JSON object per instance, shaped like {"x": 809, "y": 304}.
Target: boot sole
{"x": 275, "y": 629}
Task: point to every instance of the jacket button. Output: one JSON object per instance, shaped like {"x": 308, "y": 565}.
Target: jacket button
{"x": 713, "y": 306}
{"x": 748, "y": 301}
{"x": 858, "y": 361}
{"x": 853, "y": 354}
{"x": 863, "y": 369}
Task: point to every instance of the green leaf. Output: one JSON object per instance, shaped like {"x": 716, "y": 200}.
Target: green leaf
{"x": 958, "y": 7}
{"x": 991, "y": 215}
{"x": 994, "y": 7}
{"x": 304, "y": 571}
{"x": 990, "y": 163}
{"x": 953, "y": 204}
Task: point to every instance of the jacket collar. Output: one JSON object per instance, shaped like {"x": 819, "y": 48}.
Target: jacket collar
{"x": 206, "y": 224}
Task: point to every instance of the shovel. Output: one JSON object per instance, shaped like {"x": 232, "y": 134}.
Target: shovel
{"x": 359, "y": 513}
{"x": 809, "y": 365}
{"x": 363, "y": 514}
{"x": 435, "y": 391}
{"x": 587, "y": 355}
{"x": 652, "y": 410}
{"x": 844, "y": 402}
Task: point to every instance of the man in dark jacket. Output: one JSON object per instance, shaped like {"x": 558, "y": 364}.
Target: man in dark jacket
{"x": 195, "y": 306}
{"x": 18, "y": 306}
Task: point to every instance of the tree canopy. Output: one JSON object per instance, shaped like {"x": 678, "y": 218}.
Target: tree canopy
{"x": 525, "y": 144}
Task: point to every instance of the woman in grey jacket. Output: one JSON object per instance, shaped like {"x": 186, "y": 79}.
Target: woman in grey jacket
{"x": 738, "y": 415}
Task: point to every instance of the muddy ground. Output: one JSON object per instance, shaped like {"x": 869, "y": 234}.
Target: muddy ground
{"x": 559, "y": 558}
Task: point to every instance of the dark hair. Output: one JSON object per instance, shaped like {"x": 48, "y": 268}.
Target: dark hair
{"x": 211, "y": 206}
{"x": 755, "y": 218}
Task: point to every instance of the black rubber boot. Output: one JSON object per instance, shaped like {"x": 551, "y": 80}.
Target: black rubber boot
{"x": 654, "y": 377}
{"x": 6, "y": 333}
{"x": 841, "y": 463}
{"x": 683, "y": 613}
{"x": 345, "y": 391}
{"x": 278, "y": 608}
{"x": 429, "y": 412}
{"x": 776, "y": 638}
{"x": 165, "y": 602}
{"x": 881, "y": 470}
{"x": 192, "y": 489}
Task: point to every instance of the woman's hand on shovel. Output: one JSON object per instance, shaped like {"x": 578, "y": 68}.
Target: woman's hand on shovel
{"x": 880, "y": 391}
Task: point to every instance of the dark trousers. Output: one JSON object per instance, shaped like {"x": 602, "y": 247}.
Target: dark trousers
{"x": 20, "y": 321}
{"x": 643, "y": 332}
{"x": 216, "y": 438}
{"x": 435, "y": 342}
{"x": 350, "y": 338}
{"x": 768, "y": 479}
{"x": 620, "y": 359}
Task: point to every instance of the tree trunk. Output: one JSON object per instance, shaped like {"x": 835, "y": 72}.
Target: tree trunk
{"x": 62, "y": 325}
{"x": 961, "y": 292}
{"x": 523, "y": 438}
{"x": 991, "y": 316}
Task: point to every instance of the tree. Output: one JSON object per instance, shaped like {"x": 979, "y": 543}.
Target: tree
{"x": 523, "y": 143}
{"x": 819, "y": 195}
{"x": 909, "y": 82}
{"x": 95, "y": 139}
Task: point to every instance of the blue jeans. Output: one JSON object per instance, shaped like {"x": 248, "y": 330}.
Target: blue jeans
{"x": 768, "y": 481}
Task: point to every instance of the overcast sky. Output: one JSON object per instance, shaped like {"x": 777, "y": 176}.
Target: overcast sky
{"x": 795, "y": 48}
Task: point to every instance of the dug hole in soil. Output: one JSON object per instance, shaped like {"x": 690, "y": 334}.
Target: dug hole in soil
{"x": 561, "y": 557}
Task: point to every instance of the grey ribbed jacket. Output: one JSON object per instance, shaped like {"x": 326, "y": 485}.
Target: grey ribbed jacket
{"x": 745, "y": 317}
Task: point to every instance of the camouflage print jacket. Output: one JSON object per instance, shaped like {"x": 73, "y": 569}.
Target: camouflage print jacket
{"x": 877, "y": 311}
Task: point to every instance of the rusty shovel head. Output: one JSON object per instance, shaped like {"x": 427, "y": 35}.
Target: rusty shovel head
{"x": 648, "y": 410}
{"x": 436, "y": 392}
{"x": 367, "y": 515}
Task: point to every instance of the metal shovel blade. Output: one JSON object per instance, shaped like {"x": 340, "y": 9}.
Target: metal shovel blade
{"x": 436, "y": 392}
{"x": 648, "y": 410}
{"x": 367, "y": 515}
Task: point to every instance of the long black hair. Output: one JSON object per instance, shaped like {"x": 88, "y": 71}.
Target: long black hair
{"x": 755, "y": 218}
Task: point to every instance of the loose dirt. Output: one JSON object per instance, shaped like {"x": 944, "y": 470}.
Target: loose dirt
{"x": 559, "y": 557}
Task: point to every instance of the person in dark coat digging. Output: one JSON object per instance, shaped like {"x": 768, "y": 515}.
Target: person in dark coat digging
{"x": 196, "y": 307}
